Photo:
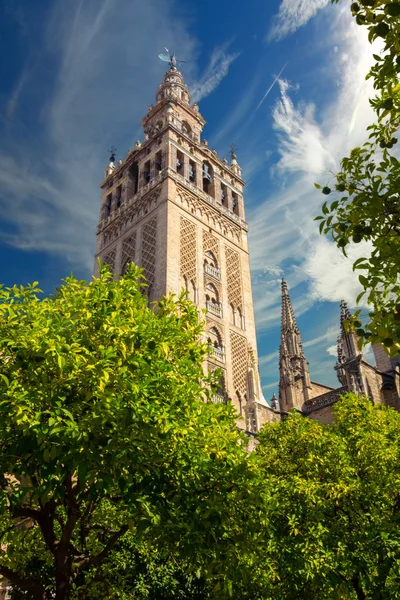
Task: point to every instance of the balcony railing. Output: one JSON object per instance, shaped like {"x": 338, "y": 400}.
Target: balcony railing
{"x": 218, "y": 399}
{"x": 215, "y": 308}
{"x": 217, "y": 353}
{"x": 213, "y": 271}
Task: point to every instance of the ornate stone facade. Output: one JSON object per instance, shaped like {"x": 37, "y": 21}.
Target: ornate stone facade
{"x": 355, "y": 374}
{"x": 177, "y": 210}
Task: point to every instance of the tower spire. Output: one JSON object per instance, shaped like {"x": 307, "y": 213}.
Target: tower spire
{"x": 294, "y": 380}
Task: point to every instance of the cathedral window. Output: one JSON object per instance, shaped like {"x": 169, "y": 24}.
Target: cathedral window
{"x": 133, "y": 179}
{"x": 208, "y": 178}
{"x": 224, "y": 194}
{"x": 186, "y": 129}
{"x": 107, "y": 206}
{"x": 180, "y": 162}
{"x": 118, "y": 196}
{"x": 158, "y": 161}
{"x": 235, "y": 203}
{"x": 146, "y": 172}
{"x": 211, "y": 265}
{"x": 192, "y": 170}
{"x": 215, "y": 344}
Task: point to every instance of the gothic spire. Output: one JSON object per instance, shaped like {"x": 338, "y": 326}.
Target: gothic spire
{"x": 292, "y": 362}
{"x": 289, "y": 329}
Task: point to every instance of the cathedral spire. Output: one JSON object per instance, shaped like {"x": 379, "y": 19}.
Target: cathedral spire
{"x": 294, "y": 380}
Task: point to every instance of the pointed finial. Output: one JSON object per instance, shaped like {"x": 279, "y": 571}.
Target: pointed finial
{"x": 345, "y": 314}
{"x": 233, "y": 151}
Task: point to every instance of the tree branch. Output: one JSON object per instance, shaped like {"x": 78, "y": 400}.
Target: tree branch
{"x": 28, "y": 584}
{"x": 98, "y": 559}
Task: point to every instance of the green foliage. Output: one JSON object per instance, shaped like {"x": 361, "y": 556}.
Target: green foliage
{"x": 370, "y": 181}
{"x": 104, "y": 428}
{"x": 333, "y": 518}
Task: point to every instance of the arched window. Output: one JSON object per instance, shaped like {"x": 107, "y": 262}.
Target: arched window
{"x": 208, "y": 178}
{"x": 180, "y": 162}
{"x": 212, "y": 292}
{"x": 211, "y": 259}
{"x": 186, "y": 128}
{"x": 107, "y": 206}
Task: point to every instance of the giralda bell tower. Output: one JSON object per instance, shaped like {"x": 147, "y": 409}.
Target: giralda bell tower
{"x": 176, "y": 209}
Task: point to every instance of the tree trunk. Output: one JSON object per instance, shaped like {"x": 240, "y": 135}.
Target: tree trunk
{"x": 63, "y": 579}
{"x": 357, "y": 587}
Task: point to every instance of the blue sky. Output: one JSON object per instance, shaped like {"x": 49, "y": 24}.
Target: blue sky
{"x": 77, "y": 77}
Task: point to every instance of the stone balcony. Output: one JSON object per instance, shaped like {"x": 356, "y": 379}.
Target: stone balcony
{"x": 217, "y": 353}
{"x": 215, "y": 308}
{"x": 218, "y": 399}
{"x": 213, "y": 271}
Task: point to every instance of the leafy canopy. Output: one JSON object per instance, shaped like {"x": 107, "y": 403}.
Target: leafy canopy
{"x": 366, "y": 204}
{"x": 105, "y": 428}
{"x": 333, "y": 518}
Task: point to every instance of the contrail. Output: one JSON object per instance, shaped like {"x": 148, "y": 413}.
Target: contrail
{"x": 272, "y": 85}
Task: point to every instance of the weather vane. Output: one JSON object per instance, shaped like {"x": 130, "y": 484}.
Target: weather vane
{"x": 171, "y": 59}
{"x": 112, "y": 152}
{"x": 233, "y": 150}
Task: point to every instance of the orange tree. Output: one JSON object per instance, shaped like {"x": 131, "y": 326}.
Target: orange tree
{"x": 104, "y": 428}
{"x": 366, "y": 189}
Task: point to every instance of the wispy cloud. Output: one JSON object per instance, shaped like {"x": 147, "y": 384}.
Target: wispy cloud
{"x": 292, "y": 15}
{"x": 282, "y": 225}
{"x": 217, "y": 69}
{"x": 97, "y": 74}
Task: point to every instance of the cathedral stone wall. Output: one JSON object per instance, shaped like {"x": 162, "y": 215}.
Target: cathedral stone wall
{"x": 318, "y": 388}
{"x": 323, "y": 415}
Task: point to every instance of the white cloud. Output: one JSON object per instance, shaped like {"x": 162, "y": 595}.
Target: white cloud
{"x": 301, "y": 141}
{"x": 292, "y": 15}
{"x": 310, "y": 144}
{"x": 217, "y": 69}
{"x": 97, "y": 74}
{"x": 332, "y": 350}
{"x": 331, "y": 274}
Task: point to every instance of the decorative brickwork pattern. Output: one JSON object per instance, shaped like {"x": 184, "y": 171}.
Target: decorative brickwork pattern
{"x": 239, "y": 362}
{"x": 149, "y": 250}
{"x": 109, "y": 259}
{"x": 234, "y": 278}
{"x": 128, "y": 251}
{"x": 188, "y": 250}
{"x": 210, "y": 244}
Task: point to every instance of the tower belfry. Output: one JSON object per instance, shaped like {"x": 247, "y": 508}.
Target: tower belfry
{"x": 176, "y": 209}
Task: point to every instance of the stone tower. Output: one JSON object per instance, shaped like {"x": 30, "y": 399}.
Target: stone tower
{"x": 294, "y": 377}
{"x": 176, "y": 209}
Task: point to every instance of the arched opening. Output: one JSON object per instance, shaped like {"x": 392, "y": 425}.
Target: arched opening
{"x": 118, "y": 196}
{"x": 133, "y": 179}
{"x": 212, "y": 293}
{"x": 215, "y": 344}
{"x": 107, "y": 206}
{"x": 224, "y": 195}
{"x": 235, "y": 203}
{"x": 146, "y": 172}
{"x": 158, "y": 162}
{"x": 192, "y": 171}
{"x": 208, "y": 178}
{"x": 180, "y": 162}
{"x": 186, "y": 129}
